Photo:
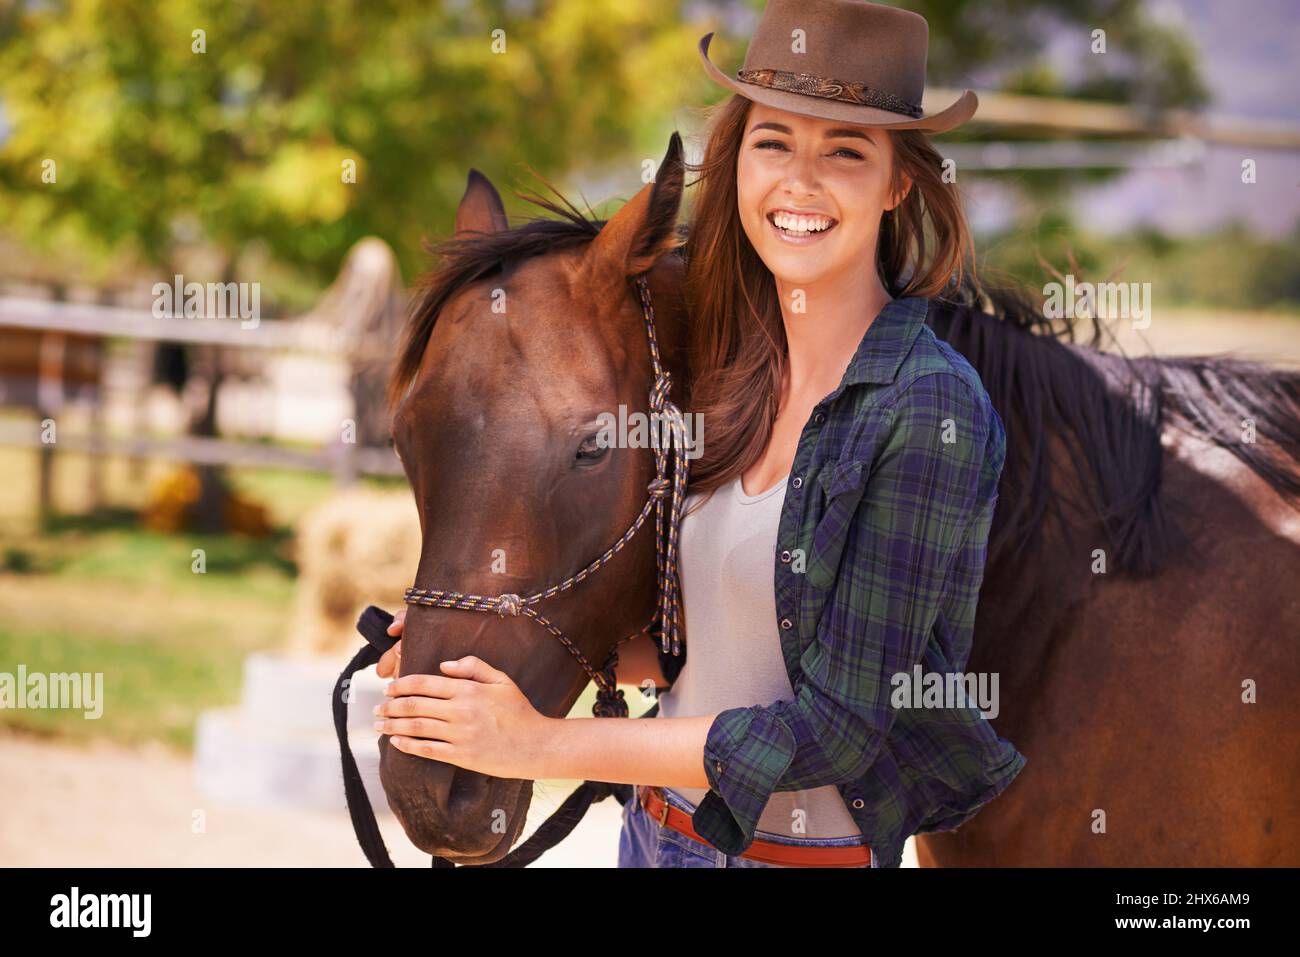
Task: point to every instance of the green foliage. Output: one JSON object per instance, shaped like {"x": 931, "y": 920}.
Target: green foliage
{"x": 242, "y": 148}
{"x": 157, "y": 145}
{"x": 1146, "y": 62}
{"x": 1231, "y": 269}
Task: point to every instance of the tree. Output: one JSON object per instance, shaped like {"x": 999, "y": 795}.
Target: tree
{"x": 305, "y": 127}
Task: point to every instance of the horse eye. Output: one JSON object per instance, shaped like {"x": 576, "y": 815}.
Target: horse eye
{"x": 590, "y": 450}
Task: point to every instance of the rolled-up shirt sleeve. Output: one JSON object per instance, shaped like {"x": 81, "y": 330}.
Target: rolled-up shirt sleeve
{"x": 923, "y": 492}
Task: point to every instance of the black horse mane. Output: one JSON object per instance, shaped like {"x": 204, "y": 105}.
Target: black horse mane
{"x": 1107, "y": 409}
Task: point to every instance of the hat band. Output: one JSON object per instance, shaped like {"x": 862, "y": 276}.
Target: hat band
{"x": 811, "y": 85}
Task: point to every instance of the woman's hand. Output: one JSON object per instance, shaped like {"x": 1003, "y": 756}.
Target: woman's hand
{"x": 392, "y": 658}
{"x": 472, "y": 716}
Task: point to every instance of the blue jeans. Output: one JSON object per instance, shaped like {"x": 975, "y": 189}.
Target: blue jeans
{"x": 644, "y": 843}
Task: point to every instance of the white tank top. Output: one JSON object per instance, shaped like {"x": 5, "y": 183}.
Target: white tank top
{"x": 733, "y": 659}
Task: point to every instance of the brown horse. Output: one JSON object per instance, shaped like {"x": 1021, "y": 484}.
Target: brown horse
{"x": 1141, "y": 603}
{"x": 516, "y": 346}
{"x": 1140, "y": 587}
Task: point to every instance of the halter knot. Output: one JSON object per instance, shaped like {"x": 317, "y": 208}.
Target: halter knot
{"x": 662, "y": 388}
{"x": 509, "y": 604}
{"x": 658, "y": 487}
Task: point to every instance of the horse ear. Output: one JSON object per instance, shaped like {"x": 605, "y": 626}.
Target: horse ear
{"x": 645, "y": 228}
{"x": 481, "y": 209}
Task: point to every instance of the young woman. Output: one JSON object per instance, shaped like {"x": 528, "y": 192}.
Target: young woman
{"x": 846, "y": 447}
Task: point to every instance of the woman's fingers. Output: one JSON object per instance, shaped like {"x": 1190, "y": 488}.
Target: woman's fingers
{"x": 414, "y": 706}
{"x": 389, "y": 662}
{"x": 430, "y": 728}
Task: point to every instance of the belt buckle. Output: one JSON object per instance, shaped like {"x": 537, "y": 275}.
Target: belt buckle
{"x": 663, "y": 811}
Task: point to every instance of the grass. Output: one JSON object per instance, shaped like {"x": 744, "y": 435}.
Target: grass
{"x": 95, "y": 592}
{"x": 152, "y": 689}
{"x": 115, "y": 599}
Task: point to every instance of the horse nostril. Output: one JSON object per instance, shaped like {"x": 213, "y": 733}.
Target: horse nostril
{"x": 467, "y": 792}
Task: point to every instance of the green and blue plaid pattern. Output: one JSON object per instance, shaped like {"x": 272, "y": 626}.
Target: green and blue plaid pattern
{"x": 880, "y": 555}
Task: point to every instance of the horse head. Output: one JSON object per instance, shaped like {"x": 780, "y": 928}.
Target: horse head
{"x": 516, "y": 348}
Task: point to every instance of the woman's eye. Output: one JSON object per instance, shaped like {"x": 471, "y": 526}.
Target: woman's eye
{"x": 777, "y": 143}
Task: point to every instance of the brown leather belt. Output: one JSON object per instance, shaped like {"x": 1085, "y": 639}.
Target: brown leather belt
{"x": 769, "y": 852}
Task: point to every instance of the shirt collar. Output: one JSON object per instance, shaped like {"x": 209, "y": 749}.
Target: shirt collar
{"x": 886, "y": 342}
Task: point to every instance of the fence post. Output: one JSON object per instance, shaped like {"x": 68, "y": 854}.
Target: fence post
{"x": 49, "y": 401}
{"x": 366, "y": 306}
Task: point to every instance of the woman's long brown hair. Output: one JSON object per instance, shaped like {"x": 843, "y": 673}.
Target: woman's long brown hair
{"x": 737, "y": 337}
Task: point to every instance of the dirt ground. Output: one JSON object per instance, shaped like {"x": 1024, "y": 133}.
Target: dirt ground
{"x": 1270, "y": 338}
{"x": 105, "y": 805}
{"x": 109, "y": 806}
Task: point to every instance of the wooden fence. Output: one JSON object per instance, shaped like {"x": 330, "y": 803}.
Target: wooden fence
{"x": 52, "y": 353}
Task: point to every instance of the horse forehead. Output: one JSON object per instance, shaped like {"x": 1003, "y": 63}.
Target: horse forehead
{"x": 566, "y": 294}
{"x": 492, "y": 323}
{"x": 563, "y": 319}
{"x": 510, "y": 367}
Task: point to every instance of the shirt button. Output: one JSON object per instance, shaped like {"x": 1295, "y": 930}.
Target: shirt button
{"x": 717, "y": 766}
{"x": 785, "y": 557}
{"x": 787, "y": 624}
{"x": 819, "y": 418}
{"x": 858, "y": 803}
{"x": 797, "y": 482}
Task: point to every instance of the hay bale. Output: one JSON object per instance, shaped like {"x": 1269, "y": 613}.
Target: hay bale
{"x": 359, "y": 548}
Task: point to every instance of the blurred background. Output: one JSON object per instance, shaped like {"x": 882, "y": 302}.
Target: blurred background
{"x": 198, "y": 509}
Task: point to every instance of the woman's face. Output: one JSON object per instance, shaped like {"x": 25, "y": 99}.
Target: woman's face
{"x": 836, "y": 174}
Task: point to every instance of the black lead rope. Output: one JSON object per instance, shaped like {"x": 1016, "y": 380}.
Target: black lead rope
{"x": 373, "y": 626}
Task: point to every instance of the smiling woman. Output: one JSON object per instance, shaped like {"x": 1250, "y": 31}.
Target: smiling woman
{"x": 813, "y": 369}
{"x": 822, "y": 227}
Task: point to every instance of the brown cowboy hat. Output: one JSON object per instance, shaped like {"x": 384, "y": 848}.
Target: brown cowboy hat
{"x": 848, "y": 60}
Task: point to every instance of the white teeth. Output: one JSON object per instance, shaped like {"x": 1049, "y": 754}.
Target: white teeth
{"x": 801, "y": 224}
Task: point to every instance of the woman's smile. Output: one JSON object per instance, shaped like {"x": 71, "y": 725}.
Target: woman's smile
{"x": 800, "y": 229}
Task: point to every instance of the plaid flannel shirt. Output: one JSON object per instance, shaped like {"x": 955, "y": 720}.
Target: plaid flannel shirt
{"x": 887, "y": 509}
